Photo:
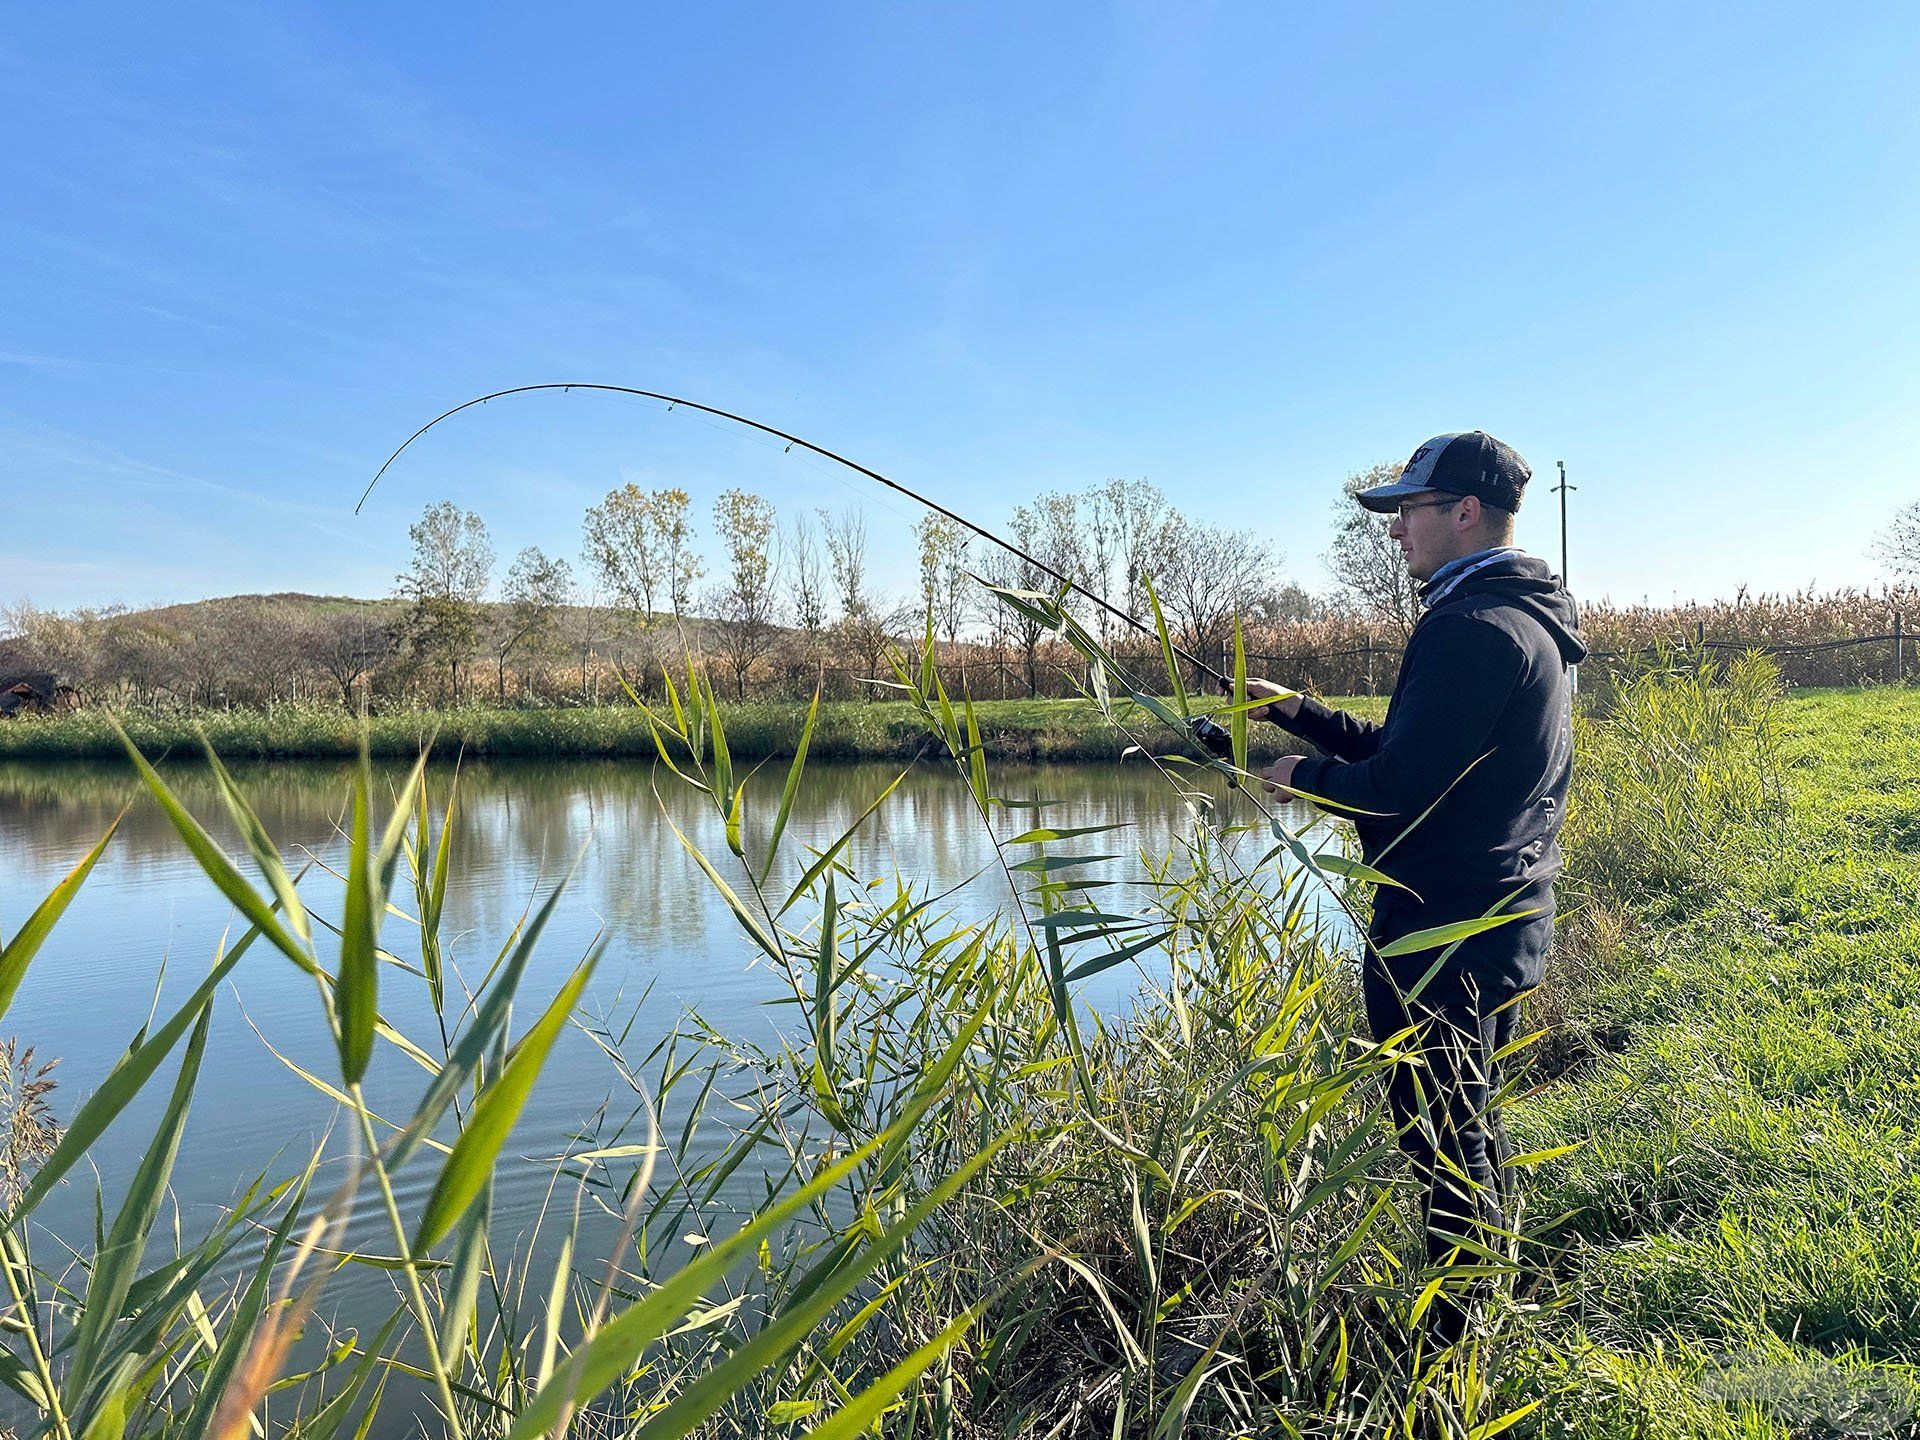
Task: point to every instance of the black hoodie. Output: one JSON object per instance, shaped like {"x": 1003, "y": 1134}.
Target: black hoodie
{"x": 1480, "y": 730}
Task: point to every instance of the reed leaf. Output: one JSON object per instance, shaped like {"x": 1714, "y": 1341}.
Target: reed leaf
{"x": 831, "y": 1282}
{"x": 1178, "y": 686}
{"x": 791, "y": 788}
{"x": 488, "y": 1022}
{"x": 117, "y": 1263}
{"x": 17, "y": 953}
{"x": 265, "y": 853}
{"x": 469, "y": 1168}
{"x": 826, "y": 856}
{"x": 357, "y": 991}
{"x": 1440, "y": 935}
{"x": 127, "y": 1078}
{"x": 1237, "y": 723}
{"x": 240, "y": 1324}
{"x": 581, "y": 1378}
{"x": 213, "y": 861}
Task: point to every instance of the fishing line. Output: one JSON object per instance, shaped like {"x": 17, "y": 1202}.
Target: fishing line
{"x": 792, "y": 441}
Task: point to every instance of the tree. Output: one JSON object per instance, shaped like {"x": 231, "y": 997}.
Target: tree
{"x": 943, "y": 574}
{"x": 207, "y": 656}
{"x": 345, "y": 645}
{"x": 448, "y": 576}
{"x": 1291, "y": 604}
{"x": 1366, "y": 562}
{"x": 676, "y": 535}
{"x": 1137, "y": 519}
{"x": 66, "y": 646}
{"x": 1898, "y": 546}
{"x": 1013, "y": 628}
{"x": 846, "y": 535}
{"x": 585, "y": 623}
{"x": 1057, "y": 540}
{"x": 638, "y": 543}
{"x": 809, "y": 580}
{"x": 1208, "y": 575}
{"x": 537, "y": 586}
{"x": 622, "y": 549}
{"x": 744, "y": 605}
{"x": 865, "y": 628}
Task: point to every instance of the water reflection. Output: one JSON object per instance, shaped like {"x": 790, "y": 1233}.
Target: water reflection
{"x": 147, "y": 922}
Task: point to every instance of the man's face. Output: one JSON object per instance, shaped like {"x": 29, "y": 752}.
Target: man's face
{"x": 1428, "y": 532}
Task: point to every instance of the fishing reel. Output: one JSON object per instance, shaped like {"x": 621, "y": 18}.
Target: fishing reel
{"x": 1211, "y": 736}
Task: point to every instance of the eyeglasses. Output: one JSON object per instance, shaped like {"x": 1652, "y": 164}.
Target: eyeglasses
{"x": 1425, "y": 505}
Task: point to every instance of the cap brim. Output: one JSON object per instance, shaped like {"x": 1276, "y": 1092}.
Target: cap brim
{"x": 1385, "y": 499}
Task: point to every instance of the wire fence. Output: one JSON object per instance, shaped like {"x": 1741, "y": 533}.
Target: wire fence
{"x": 1372, "y": 668}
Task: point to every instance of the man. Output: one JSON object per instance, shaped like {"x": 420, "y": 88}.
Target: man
{"x": 1458, "y": 796}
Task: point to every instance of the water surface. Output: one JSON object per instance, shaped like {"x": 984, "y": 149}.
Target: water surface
{"x": 148, "y": 923}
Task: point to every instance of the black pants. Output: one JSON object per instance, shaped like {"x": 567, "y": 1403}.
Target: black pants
{"x": 1448, "y": 1125}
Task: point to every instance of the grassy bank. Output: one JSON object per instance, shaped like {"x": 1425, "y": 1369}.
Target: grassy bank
{"x": 1038, "y": 731}
{"x": 1741, "y": 1249}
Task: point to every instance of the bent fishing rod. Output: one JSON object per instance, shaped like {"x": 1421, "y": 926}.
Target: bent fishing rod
{"x": 674, "y": 402}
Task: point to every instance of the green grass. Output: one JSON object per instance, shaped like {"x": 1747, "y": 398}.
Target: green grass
{"x": 1038, "y": 731}
{"x": 1747, "y": 1198}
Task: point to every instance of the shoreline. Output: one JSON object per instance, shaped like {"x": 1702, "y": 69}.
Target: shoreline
{"x": 1015, "y": 731}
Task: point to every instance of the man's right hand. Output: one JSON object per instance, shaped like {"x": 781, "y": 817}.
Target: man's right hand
{"x": 1286, "y": 703}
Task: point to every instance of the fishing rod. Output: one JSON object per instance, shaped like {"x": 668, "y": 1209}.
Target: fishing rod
{"x": 675, "y": 401}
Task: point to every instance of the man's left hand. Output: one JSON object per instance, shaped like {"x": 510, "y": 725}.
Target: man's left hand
{"x": 1277, "y": 778}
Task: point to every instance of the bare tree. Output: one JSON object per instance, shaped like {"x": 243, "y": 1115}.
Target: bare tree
{"x": 446, "y": 579}
{"x": 69, "y": 646}
{"x": 137, "y": 659}
{"x": 537, "y": 586}
{"x": 1898, "y": 546}
{"x": 345, "y": 646}
{"x": 809, "y": 580}
{"x": 264, "y": 635}
{"x": 744, "y": 604}
{"x": 846, "y": 535}
{"x": 207, "y": 653}
{"x": 1139, "y": 518}
{"x": 1365, "y": 561}
{"x": 1209, "y": 574}
{"x": 866, "y": 627}
{"x": 585, "y": 623}
{"x": 1013, "y": 630}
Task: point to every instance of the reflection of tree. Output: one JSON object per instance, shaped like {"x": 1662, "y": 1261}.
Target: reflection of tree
{"x": 519, "y": 826}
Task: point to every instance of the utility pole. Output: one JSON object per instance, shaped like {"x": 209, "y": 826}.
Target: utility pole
{"x": 1561, "y": 490}
{"x": 1573, "y": 672}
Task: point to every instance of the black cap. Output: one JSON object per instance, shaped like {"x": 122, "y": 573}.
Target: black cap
{"x": 1469, "y": 462}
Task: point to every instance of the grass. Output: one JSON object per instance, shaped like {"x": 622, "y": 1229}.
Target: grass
{"x": 1743, "y": 1207}
{"x": 986, "y": 1210}
{"x": 1039, "y": 731}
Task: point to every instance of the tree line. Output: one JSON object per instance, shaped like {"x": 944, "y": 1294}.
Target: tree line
{"x": 779, "y": 606}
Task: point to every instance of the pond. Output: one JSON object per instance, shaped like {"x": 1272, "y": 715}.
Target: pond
{"x": 147, "y": 924}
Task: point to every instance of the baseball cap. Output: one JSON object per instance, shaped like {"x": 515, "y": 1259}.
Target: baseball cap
{"x": 1467, "y": 462}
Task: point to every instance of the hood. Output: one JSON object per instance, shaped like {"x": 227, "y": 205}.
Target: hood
{"x": 1525, "y": 583}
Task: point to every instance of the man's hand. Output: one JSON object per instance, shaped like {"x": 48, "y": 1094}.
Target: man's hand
{"x": 1286, "y": 703}
{"x": 1277, "y": 778}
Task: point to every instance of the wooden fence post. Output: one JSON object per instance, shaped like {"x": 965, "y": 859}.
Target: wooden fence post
{"x": 1699, "y": 635}
{"x": 1899, "y": 650}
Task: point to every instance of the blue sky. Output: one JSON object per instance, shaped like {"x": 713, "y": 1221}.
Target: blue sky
{"x": 1239, "y": 250}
